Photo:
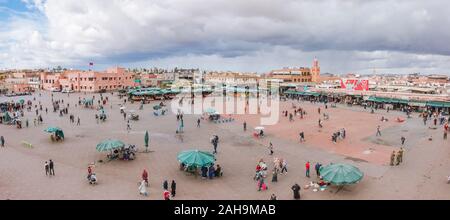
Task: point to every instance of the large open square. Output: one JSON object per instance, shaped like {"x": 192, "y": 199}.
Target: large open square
{"x": 422, "y": 174}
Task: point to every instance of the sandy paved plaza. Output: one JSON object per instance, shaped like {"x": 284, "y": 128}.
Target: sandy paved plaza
{"x": 422, "y": 175}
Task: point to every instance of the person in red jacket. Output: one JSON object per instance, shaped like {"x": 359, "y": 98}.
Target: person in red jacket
{"x": 307, "y": 169}
{"x": 145, "y": 176}
{"x": 166, "y": 194}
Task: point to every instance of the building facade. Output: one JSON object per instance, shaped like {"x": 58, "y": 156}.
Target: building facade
{"x": 298, "y": 74}
{"x": 88, "y": 81}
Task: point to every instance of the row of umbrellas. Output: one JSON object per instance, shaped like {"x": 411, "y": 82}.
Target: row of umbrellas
{"x": 336, "y": 174}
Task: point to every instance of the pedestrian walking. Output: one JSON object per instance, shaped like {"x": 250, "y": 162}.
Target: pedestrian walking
{"x": 296, "y": 191}
{"x": 307, "y": 166}
{"x": 78, "y": 120}
{"x": 145, "y": 176}
{"x": 302, "y": 136}
{"x": 128, "y": 126}
{"x": 198, "y": 122}
{"x": 284, "y": 166}
{"x": 270, "y": 148}
{"x": 47, "y": 168}
{"x": 378, "y": 131}
{"x": 403, "y": 139}
{"x": 245, "y": 126}
{"x": 51, "y": 166}
{"x": 165, "y": 185}
{"x": 400, "y": 153}
{"x": 317, "y": 168}
{"x": 275, "y": 175}
{"x": 173, "y": 188}
{"x": 2, "y": 141}
{"x": 392, "y": 158}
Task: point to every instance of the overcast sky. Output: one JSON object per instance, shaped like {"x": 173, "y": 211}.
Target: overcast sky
{"x": 386, "y": 36}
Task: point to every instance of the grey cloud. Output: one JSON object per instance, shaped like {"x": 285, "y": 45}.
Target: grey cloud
{"x": 349, "y": 35}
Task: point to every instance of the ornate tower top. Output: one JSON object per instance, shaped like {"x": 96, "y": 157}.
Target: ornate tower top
{"x": 316, "y": 62}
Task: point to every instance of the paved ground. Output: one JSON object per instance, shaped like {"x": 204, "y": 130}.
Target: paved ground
{"x": 421, "y": 176}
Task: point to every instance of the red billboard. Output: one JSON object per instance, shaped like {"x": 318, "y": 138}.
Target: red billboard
{"x": 355, "y": 84}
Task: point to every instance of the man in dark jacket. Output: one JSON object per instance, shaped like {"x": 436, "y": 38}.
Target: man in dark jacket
{"x": 173, "y": 187}
{"x": 52, "y": 167}
{"x": 165, "y": 185}
{"x": 296, "y": 190}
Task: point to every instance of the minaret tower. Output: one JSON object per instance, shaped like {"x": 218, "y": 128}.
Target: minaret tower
{"x": 315, "y": 70}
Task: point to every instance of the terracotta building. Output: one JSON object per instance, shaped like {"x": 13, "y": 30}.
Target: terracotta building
{"x": 298, "y": 74}
{"x": 88, "y": 81}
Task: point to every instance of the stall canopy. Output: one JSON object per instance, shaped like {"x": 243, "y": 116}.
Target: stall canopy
{"x": 303, "y": 93}
{"x": 196, "y": 158}
{"x": 58, "y": 131}
{"x": 341, "y": 174}
{"x": 438, "y": 104}
{"x": 110, "y": 144}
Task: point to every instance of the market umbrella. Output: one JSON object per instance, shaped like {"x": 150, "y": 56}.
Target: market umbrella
{"x": 196, "y": 158}
{"x": 52, "y": 129}
{"x": 156, "y": 107}
{"x": 109, "y": 144}
{"x": 146, "y": 140}
{"x": 259, "y": 128}
{"x": 21, "y": 101}
{"x": 341, "y": 174}
{"x": 58, "y": 131}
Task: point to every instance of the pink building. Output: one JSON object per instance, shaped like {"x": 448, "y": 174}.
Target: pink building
{"x": 88, "y": 81}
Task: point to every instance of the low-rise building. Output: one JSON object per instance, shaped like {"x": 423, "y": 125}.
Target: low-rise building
{"x": 88, "y": 81}
{"x": 298, "y": 74}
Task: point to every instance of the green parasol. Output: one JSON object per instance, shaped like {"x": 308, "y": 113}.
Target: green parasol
{"x": 109, "y": 144}
{"x": 58, "y": 131}
{"x": 341, "y": 174}
{"x": 196, "y": 158}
